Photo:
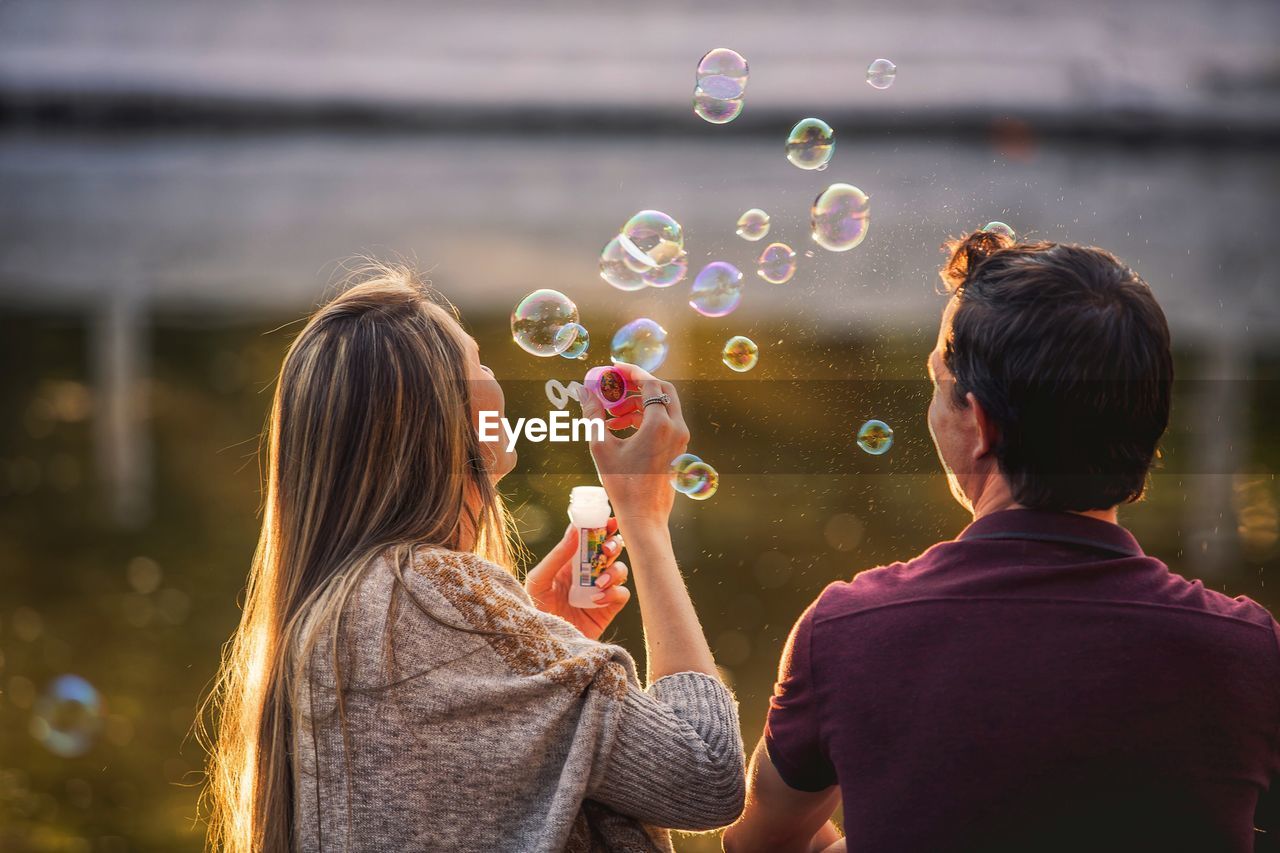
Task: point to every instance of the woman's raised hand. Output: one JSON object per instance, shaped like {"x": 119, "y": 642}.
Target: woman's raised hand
{"x": 635, "y": 471}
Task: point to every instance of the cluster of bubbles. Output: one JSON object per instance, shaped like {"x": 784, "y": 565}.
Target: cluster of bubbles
{"x": 811, "y": 144}
{"x": 880, "y": 74}
{"x": 1001, "y": 228}
{"x": 538, "y": 319}
{"x": 647, "y": 252}
{"x": 840, "y": 217}
{"x": 777, "y": 263}
{"x": 720, "y": 84}
{"x": 694, "y": 478}
{"x": 717, "y": 290}
{"x": 753, "y": 225}
{"x": 875, "y": 437}
{"x": 68, "y": 716}
{"x": 740, "y": 353}
{"x": 641, "y": 342}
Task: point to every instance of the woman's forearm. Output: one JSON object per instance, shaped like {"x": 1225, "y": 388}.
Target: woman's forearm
{"x": 673, "y": 636}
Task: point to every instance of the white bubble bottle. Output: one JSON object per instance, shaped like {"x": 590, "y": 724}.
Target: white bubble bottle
{"x": 589, "y": 512}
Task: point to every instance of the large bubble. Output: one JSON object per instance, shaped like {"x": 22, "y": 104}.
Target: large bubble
{"x": 875, "y": 437}
{"x": 652, "y": 238}
{"x": 615, "y": 267}
{"x": 1001, "y": 228}
{"x": 668, "y": 274}
{"x": 538, "y": 319}
{"x": 717, "y": 290}
{"x": 840, "y": 217}
{"x": 740, "y": 353}
{"x": 68, "y": 716}
{"x": 641, "y": 342}
{"x": 777, "y": 263}
{"x": 880, "y": 74}
{"x": 574, "y": 339}
{"x": 753, "y": 225}
{"x": 811, "y": 144}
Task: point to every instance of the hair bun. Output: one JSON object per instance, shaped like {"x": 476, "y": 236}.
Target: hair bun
{"x": 968, "y": 253}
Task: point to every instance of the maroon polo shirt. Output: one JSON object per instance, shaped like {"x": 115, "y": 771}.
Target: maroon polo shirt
{"x": 1036, "y": 684}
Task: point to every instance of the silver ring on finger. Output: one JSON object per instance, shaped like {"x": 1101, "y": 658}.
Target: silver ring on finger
{"x": 664, "y": 399}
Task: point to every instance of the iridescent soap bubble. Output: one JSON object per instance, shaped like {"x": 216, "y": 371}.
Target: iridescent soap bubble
{"x": 753, "y": 225}
{"x": 538, "y": 319}
{"x": 777, "y": 263}
{"x": 722, "y": 73}
{"x": 880, "y": 74}
{"x": 678, "y": 465}
{"x": 653, "y": 238}
{"x": 811, "y": 144}
{"x": 699, "y": 480}
{"x": 998, "y": 227}
{"x": 875, "y": 437}
{"x": 740, "y": 353}
{"x": 840, "y": 217}
{"x": 717, "y": 290}
{"x": 669, "y": 274}
{"x": 68, "y": 716}
{"x": 641, "y": 342}
{"x": 616, "y": 267}
{"x": 574, "y": 339}
{"x": 715, "y": 110}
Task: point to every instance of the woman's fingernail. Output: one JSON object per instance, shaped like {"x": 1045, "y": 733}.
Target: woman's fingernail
{"x": 603, "y": 581}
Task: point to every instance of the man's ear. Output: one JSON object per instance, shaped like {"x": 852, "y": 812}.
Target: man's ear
{"x": 983, "y": 427}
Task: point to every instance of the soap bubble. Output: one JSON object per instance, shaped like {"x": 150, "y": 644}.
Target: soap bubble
{"x": 698, "y": 480}
{"x": 538, "y": 319}
{"x": 777, "y": 263}
{"x": 652, "y": 238}
{"x": 717, "y": 290}
{"x": 875, "y": 437}
{"x": 722, "y": 73}
{"x": 669, "y": 274}
{"x": 998, "y": 227}
{"x": 840, "y": 217}
{"x": 573, "y": 340}
{"x": 715, "y": 110}
{"x": 678, "y": 466}
{"x": 615, "y": 267}
{"x": 880, "y": 74}
{"x": 811, "y": 144}
{"x": 641, "y": 342}
{"x": 753, "y": 225}
{"x": 740, "y": 353}
{"x": 67, "y": 717}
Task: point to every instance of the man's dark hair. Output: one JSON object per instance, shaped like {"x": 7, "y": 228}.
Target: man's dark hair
{"x": 1068, "y": 352}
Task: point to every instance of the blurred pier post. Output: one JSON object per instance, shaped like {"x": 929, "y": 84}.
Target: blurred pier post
{"x": 119, "y": 355}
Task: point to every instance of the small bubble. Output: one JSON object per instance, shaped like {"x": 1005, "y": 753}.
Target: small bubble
{"x": 702, "y": 480}
{"x": 880, "y": 74}
{"x": 840, "y": 217}
{"x": 573, "y": 341}
{"x": 641, "y": 342}
{"x": 678, "y": 465}
{"x": 716, "y": 111}
{"x": 717, "y": 290}
{"x": 652, "y": 238}
{"x": 777, "y": 263}
{"x": 1001, "y": 228}
{"x": 538, "y": 318}
{"x": 875, "y": 437}
{"x": 67, "y": 717}
{"x": 719, "y": 85}
{"x": 811, "y": 144}
{"x": 753, "y": 225}
{"x": 740, "y": 353}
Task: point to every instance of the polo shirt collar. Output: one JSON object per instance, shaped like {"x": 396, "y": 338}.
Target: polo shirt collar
{"x": 1065, "y": 527}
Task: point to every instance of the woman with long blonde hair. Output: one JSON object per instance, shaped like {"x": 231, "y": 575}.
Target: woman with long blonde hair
{"x": 392, "y": 685}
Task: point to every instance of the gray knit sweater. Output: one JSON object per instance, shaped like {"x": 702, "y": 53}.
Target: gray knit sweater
{"x": 536, "y": 739}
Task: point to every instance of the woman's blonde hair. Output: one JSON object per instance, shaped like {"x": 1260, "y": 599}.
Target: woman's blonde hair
{"x": 369, "y": 449}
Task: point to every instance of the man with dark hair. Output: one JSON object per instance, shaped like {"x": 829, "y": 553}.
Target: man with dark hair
{"x": 1037, "y": 683}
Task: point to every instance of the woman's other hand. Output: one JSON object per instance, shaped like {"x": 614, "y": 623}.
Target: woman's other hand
{"x": 549, "y": 582}
{"x": 636, "y": 471}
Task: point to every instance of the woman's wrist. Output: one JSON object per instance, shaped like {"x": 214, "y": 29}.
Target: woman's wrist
{"x": 638, "y": 531}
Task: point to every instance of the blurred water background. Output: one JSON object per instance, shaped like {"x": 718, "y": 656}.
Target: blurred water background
{"x": 180, "y": 183}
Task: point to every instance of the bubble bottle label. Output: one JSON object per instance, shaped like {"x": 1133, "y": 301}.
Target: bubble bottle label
{"x": 591, "y": 557}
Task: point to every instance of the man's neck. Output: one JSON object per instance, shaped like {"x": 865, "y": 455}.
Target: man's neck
{"x": 997, "y": 498}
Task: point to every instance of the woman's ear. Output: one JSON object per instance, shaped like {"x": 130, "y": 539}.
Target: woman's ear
{"x": 984, "y": 430}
